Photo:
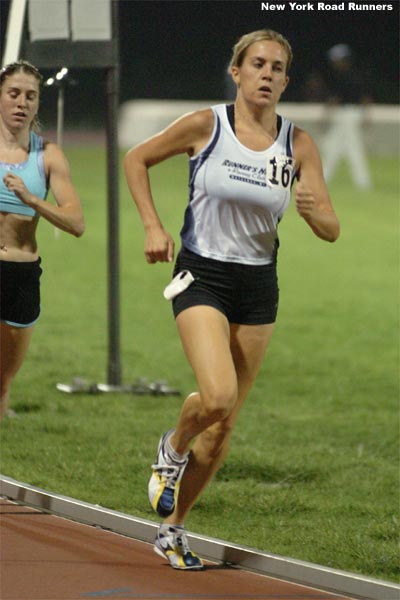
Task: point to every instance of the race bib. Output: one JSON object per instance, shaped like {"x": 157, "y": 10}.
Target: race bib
{"x": 280, "y": 171}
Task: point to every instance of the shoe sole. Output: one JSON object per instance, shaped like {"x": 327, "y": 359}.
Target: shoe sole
{"x": 154, "y": 504}
{"x": 158, "y": 551}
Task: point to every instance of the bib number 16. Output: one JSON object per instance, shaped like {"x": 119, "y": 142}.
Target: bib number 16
{"x": 280, "y": 171}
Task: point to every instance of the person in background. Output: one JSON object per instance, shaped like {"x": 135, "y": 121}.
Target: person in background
{"x": 315, "y": 88}
{"x": 347, "y": 105}
{"x": 29, "y": 167}
{"x": 243, "y": 159}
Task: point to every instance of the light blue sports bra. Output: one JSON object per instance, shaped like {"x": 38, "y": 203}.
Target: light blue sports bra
{"x": 33, "y": 175}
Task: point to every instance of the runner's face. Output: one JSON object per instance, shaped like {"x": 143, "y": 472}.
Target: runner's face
{"x": 262, "y": 76}
{"x": 19, "y": 100}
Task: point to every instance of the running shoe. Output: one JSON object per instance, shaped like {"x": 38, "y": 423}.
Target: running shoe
{"x": 165, "y": 480}
{"x": 171, "y": 543}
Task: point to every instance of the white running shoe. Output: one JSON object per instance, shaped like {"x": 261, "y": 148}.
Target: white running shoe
{"x": 171, "y": 543}
{"x": 164, "y": 482}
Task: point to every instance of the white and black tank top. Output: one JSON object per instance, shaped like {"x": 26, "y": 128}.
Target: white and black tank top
{"x": 238, "y": 196}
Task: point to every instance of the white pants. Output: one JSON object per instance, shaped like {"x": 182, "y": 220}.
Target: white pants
{"x": 344, "y": 139}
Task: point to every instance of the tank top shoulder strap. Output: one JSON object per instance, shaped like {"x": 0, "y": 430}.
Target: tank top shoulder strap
{"x": 36, "y": 152}
{"x": 285, "y": 134}
{"x": 35, "y": 142}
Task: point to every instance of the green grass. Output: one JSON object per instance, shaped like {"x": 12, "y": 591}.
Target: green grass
{"x": 313, "y": 469}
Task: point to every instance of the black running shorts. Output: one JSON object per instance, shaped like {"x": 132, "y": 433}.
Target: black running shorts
{"x": 245, "y": 294}
{"x": 20, "y": 292}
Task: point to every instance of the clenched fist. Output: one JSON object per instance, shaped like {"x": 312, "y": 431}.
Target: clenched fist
{"x": 305, "y": 200}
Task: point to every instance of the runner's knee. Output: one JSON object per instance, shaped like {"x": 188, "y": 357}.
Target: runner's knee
{"x": 218, "y": 405}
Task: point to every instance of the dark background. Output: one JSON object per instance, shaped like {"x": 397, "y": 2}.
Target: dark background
{"x": 179, "y": 49}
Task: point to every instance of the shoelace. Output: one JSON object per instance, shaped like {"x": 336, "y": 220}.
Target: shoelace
{"x": 182, "y": 543}
{"x": 170, "y": 472}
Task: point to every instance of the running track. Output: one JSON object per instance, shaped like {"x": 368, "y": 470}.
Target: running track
{"x": 45, "y": 557}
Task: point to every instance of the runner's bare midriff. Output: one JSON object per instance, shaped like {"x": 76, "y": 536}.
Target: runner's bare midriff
{"x": 18, "y": 237}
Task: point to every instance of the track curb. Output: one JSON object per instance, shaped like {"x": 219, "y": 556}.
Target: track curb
{"x": 288, "y": 569}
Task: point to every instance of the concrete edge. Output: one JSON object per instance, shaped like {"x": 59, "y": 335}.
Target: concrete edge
{"x": 332, "y": 580}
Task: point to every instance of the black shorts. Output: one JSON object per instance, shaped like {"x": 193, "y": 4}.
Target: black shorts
{"x": 20, "y": 292}
{"x": 245, "y": 294}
